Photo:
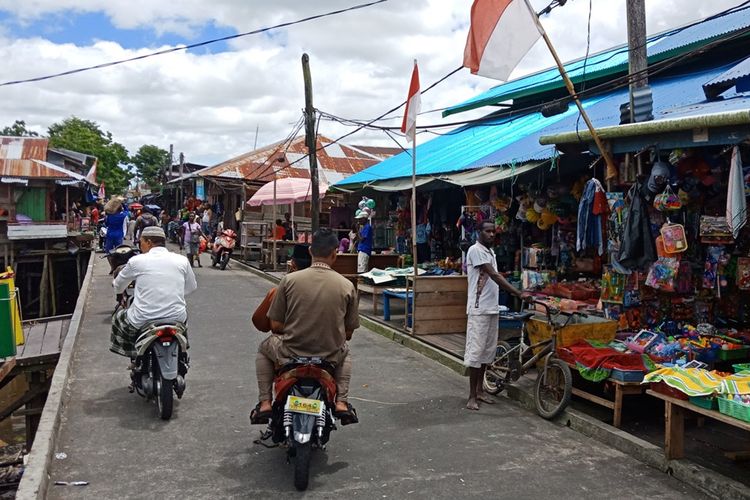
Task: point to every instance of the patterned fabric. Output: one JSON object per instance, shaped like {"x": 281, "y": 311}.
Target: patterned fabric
{"x": 124, "y": 335}
{"x": 595, "y": 361}
{"x": 699, "y": 382}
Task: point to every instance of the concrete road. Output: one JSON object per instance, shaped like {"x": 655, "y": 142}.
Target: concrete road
{"x": 415, "y": 440}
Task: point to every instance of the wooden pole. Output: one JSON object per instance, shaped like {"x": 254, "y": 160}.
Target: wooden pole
{"x": 311, "y": 141}
{"x": 413, "y": 222}
{"x": 273, "y": 224}
{"x": 52, "y": 291}
{"x": 611, "y": 167}
{"x": 637, "y": 55}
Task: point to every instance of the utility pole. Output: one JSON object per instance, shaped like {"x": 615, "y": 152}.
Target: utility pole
{"x": 182, "y": 169}
{"x": 637, "y": 55}
{"x": 311, "y": 141}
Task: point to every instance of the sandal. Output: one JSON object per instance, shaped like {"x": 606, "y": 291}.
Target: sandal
{"x": 347, "y": 417}
{"x": 258, "y": 417}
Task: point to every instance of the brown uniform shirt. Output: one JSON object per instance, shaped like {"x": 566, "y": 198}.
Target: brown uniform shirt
{"x": 316, "y": 305}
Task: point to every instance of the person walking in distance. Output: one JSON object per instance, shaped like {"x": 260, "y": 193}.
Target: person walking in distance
{"x": 364, "y": 247}
{"x": 483, "y": 311}
{"x": 192, "y": 238}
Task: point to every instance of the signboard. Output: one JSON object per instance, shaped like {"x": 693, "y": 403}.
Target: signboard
{"x": 200, "y": 189}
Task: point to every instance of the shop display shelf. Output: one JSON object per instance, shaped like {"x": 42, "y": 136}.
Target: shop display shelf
{"x": 734, "y": 409}
{"x": 706, "y": 402}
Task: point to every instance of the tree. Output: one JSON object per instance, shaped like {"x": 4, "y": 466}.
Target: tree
{"x": 149, "y": 161}
{"x": 85, "y": 136}
{"x": 18, "y": 129}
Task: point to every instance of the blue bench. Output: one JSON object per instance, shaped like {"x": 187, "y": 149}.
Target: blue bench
{"x": 407, "y": 298}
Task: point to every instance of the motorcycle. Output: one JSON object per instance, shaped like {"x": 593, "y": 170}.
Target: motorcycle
{"x": 173, "y": 231}
{"x": 101, "y": 232}
{"x": 302, "y": 415}
{"x": 222, "y": 248}
{"x": 117, "y": 260}
{"x": 161, "y": 365}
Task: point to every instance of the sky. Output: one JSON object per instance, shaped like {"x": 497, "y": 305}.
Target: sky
{"x": 209, "y": 101}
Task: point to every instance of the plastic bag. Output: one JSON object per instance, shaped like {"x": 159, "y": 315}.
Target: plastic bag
{"x": 667, "y": 201}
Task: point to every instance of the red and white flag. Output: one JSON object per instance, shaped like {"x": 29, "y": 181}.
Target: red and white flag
{"x": 101, "y": 191}
{"x": 501, "y": 33}
{"x": 91, "y": 176}
{"x": 413, "y": 105}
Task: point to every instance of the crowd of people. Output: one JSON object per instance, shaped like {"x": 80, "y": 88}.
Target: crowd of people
{"x": 193, "y": 227}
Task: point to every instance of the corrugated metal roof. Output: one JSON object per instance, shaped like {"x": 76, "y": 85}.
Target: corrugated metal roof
{"x": 23, "y": 148}
{"x": 612, "y": 61}
{"x": 259, "y": 165}
{"x": 35, "y": 169}
{"x": 727, "y": 80}
{"x": 503, "y": 142}
{"x": 25, "y": 157}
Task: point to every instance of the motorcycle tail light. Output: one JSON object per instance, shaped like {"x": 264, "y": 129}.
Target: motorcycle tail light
{"x": 165, "y": 332}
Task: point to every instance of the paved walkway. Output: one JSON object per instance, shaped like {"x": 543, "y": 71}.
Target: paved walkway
{"x": 415, "y": 439}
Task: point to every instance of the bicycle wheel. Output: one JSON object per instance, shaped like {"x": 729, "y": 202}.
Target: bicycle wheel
{"x": 553, "y": 389}
{"x": 497, "y": 375}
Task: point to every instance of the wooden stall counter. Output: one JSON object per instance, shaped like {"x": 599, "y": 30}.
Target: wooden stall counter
{"x": 439, "y": 304}
{"x": 346, "y": 263}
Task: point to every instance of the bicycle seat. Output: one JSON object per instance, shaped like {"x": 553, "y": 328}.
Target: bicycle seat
{"x": 526, "y": 315}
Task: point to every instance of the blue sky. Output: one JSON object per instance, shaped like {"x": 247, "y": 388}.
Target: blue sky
{"x": 84, "y": 29}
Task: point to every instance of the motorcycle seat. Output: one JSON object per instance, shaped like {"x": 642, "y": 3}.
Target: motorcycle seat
{"x": 297, "y": 362}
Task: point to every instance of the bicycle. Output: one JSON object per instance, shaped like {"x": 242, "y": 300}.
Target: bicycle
{"x": 554, "y": 382}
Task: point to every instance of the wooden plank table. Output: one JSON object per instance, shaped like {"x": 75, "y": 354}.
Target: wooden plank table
{"x": 674, "y": 422}
{"x": 621, "y": 389}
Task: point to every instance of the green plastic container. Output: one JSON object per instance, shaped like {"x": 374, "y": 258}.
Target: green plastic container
{"x": 733, "y": 354}
{"x": 706, "y": 402}
{"x": 734, "y": 409}
{"x": 741, "y": 367}
{"x": 7, "y": 341}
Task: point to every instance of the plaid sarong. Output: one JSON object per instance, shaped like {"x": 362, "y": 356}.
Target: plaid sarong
{"x": 124, "y": 335}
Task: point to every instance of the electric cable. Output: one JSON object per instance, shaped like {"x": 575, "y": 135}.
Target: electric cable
{"x": 192, "y": 45}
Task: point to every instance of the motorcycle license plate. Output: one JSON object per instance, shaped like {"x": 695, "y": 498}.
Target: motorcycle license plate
{"x": 304, "y": 405}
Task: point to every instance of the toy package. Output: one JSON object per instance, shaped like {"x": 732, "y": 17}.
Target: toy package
{"x": 675, "y": 240}
{"x": 743, "y": 273}
{"x": 662, "y": 274}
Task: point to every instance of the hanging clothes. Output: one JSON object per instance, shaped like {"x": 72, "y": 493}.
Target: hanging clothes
{"x": 589, "y": 231}
{"x": 736, "y": 203}
{"x": 637, "y": 249}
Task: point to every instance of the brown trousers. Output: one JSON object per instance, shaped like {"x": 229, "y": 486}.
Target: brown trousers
{"x": 272, "y": 354}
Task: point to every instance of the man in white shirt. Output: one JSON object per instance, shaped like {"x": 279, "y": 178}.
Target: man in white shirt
{"x": 483, "y": 311}
{"x": 162, "y": 280}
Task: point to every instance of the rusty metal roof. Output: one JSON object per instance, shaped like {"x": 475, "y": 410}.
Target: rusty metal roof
{"x": 335, "y": 162}
{"x": 380, "y": 151}
{"x": 25, "y": 157}
{"x": 23, "y": 148}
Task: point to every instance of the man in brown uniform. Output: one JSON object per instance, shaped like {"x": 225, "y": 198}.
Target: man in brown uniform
{"x": 313, "y": 313}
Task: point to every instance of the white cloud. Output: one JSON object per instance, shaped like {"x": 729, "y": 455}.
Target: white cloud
{"x": 208, "y": 105}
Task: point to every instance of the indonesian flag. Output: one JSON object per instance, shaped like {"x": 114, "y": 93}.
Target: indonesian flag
{"x": 101, "y": 191}
{"x": 91, "y": 176}
{"x": 413, "y": 105}
{"x": 501, "y": 33}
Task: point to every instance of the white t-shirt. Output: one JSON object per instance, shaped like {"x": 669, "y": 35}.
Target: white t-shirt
{"x": 487, "y": 301}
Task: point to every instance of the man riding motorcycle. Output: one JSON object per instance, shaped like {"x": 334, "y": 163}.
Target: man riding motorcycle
{"x": 162, "y": 280}
{"x": 313, "y": 314}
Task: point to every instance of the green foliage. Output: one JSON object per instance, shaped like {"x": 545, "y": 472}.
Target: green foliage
{"x": 149, "y": 161}
{"x": 18, "y": 129}
{"x": 85, "y": 136}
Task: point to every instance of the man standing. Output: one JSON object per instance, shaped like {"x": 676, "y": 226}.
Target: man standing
{"x": 162, "y": 280}
{"x": 482, "y": 310}
{"x": 364, "y": 248}
{"x": 313, "y": 313}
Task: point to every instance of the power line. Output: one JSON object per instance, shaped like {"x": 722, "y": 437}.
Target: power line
{"x": 192, "y": 46}
{"x": 614, "y": 84}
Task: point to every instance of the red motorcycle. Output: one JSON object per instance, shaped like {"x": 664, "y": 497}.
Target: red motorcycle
{"x": 222, "y": 248}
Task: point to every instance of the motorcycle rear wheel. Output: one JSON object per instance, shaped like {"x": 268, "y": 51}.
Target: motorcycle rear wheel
{"x": 164, "y": 397}
{"x": 224, "y": 260}
{"x": 302, "y": 465}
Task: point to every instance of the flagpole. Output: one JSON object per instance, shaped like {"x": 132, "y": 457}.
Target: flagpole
{"x": 413, "y": 220}
{"x": 611, "y": 167}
